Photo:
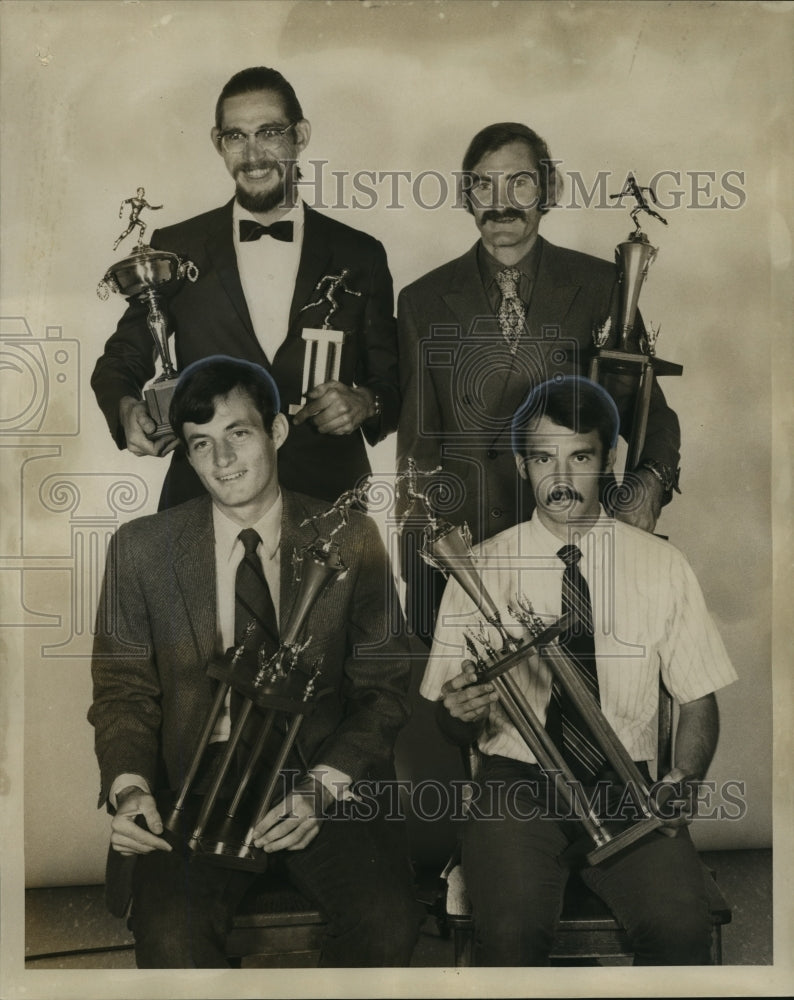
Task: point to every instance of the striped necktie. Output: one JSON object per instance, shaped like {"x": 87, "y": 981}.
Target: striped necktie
{"x": 564, "y": 722}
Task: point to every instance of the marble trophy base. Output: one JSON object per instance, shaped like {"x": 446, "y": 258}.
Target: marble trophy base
{"x": 157, "y": 397}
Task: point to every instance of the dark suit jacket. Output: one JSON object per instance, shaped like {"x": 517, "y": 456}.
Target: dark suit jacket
{"x": 461, "y": 386}
{"x": 156, "y": 632}
{"x": 211, "y": 317}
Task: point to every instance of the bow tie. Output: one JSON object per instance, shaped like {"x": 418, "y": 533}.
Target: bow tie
{"x": 250, "y": 230}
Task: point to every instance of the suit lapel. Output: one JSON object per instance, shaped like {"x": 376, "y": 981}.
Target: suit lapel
{"x": 552, "y": 296}
{"x": 551, "y": 301}
{"x": 466, "y": 296}
{"x": 314, "y": 262}
{"x": 553, "y": 293}
{"x": 220, "y": 249}
{"x": 468, "y": 300}
{"x": 194, "y": 569}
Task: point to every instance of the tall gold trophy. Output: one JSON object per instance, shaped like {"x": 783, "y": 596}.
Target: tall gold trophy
{"x": 448, "y": 548}
{"x": 275, "y": 689}
{"x": 149, "y": 276}
{"x": 633, "y": 257}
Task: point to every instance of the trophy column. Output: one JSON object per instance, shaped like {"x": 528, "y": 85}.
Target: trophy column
{"x": 148, "y": 276}
{"x": 277, "y": 693}
{"x": 633, "y": 257}
{"x": 448, "y": 548}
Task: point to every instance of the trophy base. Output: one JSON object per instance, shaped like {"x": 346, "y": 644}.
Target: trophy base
{"x": 283, "y": 695}
{"x": 221, "y": 845}
{"x": 621, "y": 840}
{"x": 231, "y": 856}
{"x": 612, "y": 360}
{"x": 158, "y": 401}
{"x": 225, "y": 848}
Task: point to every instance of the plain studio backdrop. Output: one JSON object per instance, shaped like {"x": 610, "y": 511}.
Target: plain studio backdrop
{"x": 102, "y": 98}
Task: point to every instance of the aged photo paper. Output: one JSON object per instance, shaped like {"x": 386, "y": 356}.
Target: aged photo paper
{"x": 102, "y": 97}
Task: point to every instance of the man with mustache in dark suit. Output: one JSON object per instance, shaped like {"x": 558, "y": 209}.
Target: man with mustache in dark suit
{"x": 478, "y": 332}
{"x": 259, "y": 296}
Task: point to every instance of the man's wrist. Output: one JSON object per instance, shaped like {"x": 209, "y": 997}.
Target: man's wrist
{"x": 665, "y": 475}
{"x": 125, "y": 784}
{"x": 126, "y": 403}
{"x": 313, "y": 784}
{"x": 127, "y": 790}
{"x": 374, "y": 404}
{"x": 127, "y": 793}
{"x": 455, "y": 730}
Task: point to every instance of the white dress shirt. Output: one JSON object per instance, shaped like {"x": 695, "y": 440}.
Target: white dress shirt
{"x": 648, "y": 612}
{"x": 268, "y": 269}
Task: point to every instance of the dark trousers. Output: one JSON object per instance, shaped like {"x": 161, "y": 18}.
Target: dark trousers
{"x": 515, "y": 877}
{"x": 356, "y": 871}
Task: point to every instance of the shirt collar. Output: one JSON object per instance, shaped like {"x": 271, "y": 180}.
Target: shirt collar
{"x": 490, "y": 266}
{"x": 544, "y": 543}
{"x": 268, "y": 526}
{"x": 295, "y": 215}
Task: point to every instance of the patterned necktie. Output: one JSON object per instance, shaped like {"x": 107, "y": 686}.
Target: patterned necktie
{"x": 511, "y": 309}
{"x": 564, "y": 722}
{"x": 250, "y": 231}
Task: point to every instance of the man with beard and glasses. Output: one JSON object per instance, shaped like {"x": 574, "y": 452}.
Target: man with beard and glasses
{"x": 637, "y": 613}
{"x": 477, "y": 332}
{"x": 271, "y": 271}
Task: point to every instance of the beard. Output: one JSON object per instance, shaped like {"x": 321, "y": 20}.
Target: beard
{"x": 264, "y": 201}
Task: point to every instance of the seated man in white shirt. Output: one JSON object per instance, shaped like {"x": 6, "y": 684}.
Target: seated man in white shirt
{"x": 178, "y": 592}
{"x": 640, "y": 611}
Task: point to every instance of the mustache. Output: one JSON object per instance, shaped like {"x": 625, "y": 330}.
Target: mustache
{"x": 503, "y": 215}
{"x": 276, "y": 165}
{"x": 563, "y": 491}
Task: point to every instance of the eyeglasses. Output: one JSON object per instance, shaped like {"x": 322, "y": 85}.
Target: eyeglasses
{"x": 235, "y": 141}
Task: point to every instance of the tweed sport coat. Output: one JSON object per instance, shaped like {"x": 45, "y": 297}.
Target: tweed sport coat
{"x": 157, "y": 627}
{"x": 461, "y": 385}
{"x": 211, "y": 317}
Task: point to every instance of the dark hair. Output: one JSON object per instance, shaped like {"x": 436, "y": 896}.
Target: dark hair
{"x": 255, "y": 79}
{"x": 494, "y": 137}
{"x": 573, "y": 402}
{"x": 201, "y": 383}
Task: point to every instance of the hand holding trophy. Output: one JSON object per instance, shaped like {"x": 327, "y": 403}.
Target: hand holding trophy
{"x": 447, "y": 547}
{"x": 148, "y": 276}
{"x": 270, "y": 689}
